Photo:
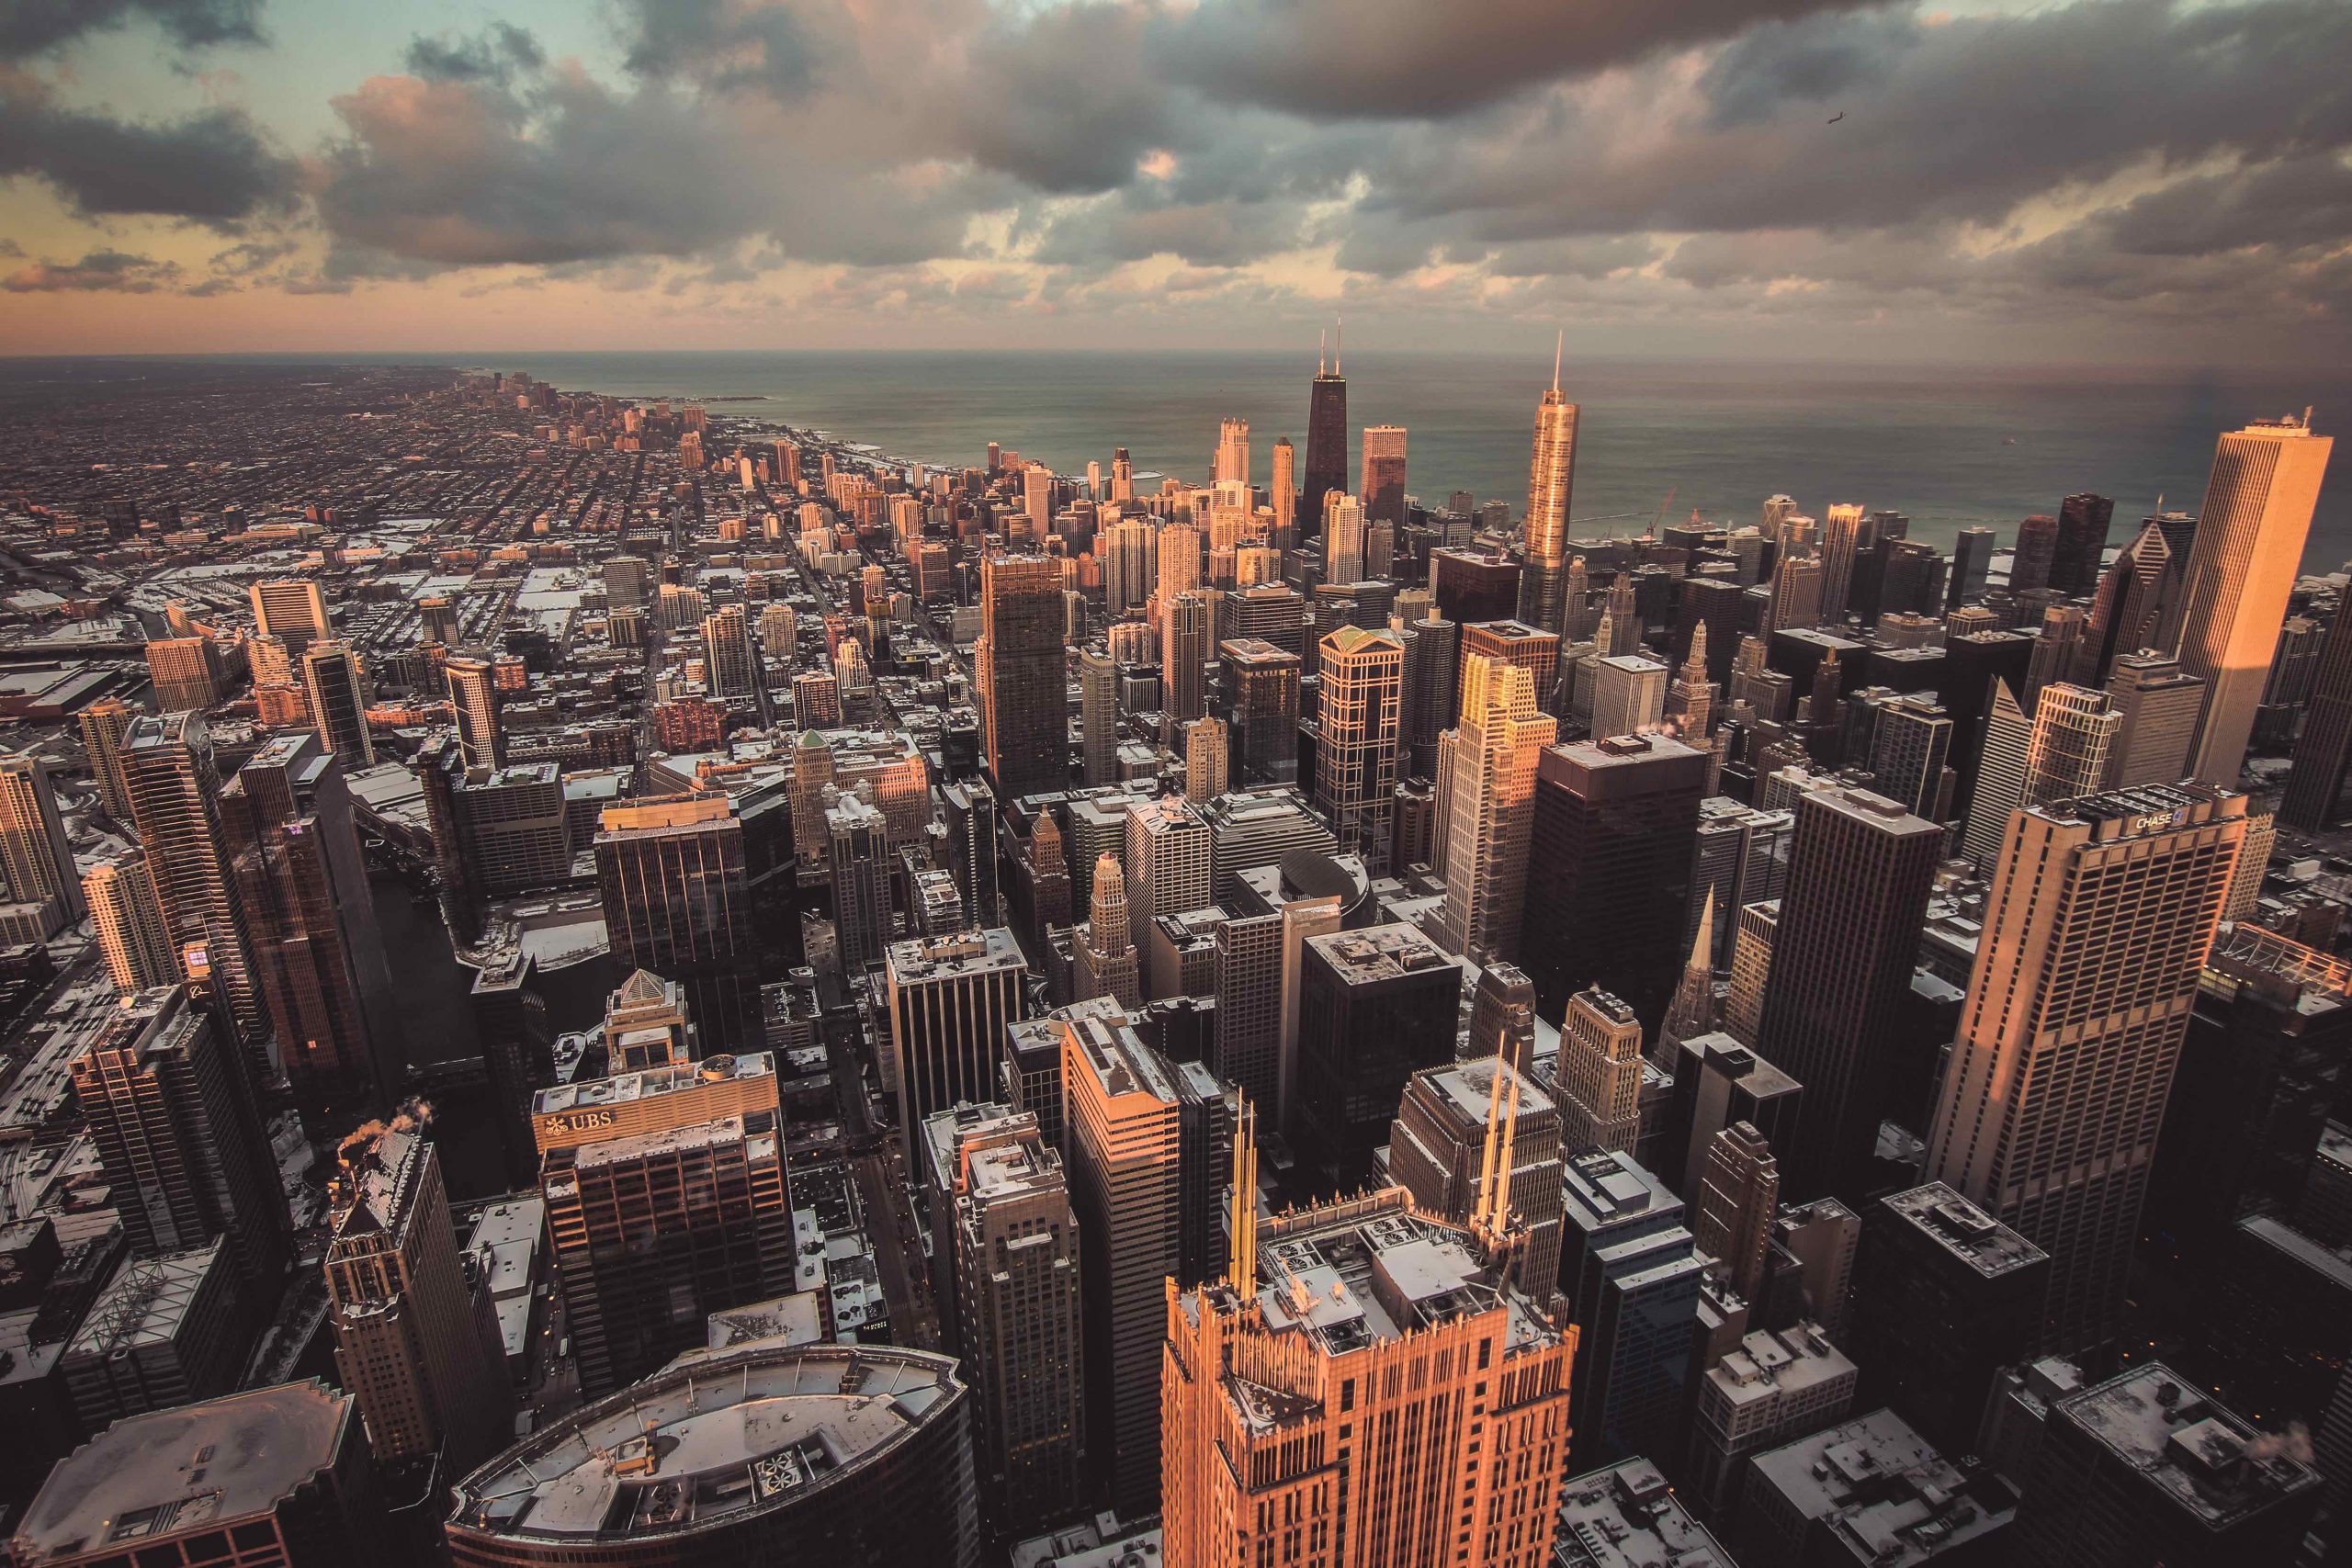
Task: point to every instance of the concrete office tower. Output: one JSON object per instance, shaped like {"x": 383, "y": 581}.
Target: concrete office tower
{"x": 1016, "y": 1317}
{"x": 34, "y": 849}
{"x": 1690, "y": 700}
{"x": 337, "y": 688}
{"x": 1551, "y": 480}
{"x": 1037, "y": 500}
{"x": 816, "y": 700}
{"x": 1455, "y": 1127}
{"x": 318, "y": 956}
{"x": 2128, "y": 607}
{"x": 625, "y": 579}
{"x": 1598, "y": 1077}
{"x": 731, "y": 663}
{"x": 1945, "y": 1298}
{"x": 1840, "y": 543}
{"x": 972, "y": 846}
{"x": 1795, "y": 601}
{"x": 1283, "y": 486}
{"x": 1262, "y": 682}
{"x": 950, "y": 1001}
{"x": 852, "y": 1456}
{"x": 1382, "y": 490}
{"x": 1232, "y": 452}
{"x": 104, "y": 724}
{"x": 703, "y": 1206}
{"x": 288, "y": 1477}
{"x": 184, "y": 671}
{"x": 1108, "y": 962}
{"x": 1207, "y": 759}
{"x": 2248, "y": 548}
{"x": 1177, "y": 562}
{"x": 294, "y": 609}
{"x": 1909, "y": 748}
{"x": 2097, "y": 926}
{"x": 1859, "y": 870}
{"x": 1184, "y": 654}
{"x": 2147, "y": 1467}
{"x": 677, "y": 902}
{"x": 1355, "y": 761}
{"x": 2059, "y": 639}
{"x": 437, "y": 619}
{"x": 858, "y": 862}
{"x": 1339, "y": 1325}
{"x": 1024, "y": 720}
{"x": 127, "y": 916}
{"x": 1126, "y": 1182}
{"x": 1502, "y": 1016}
{"x": 413, "y": 1333}
{"x": 1246, "y": 1049}
{"x": 1972, "y": 554}
{"x": 1734, "y": 1209}
{"x": 1098, "y": 714}
{"x": 1327, "y": 440}
{"x": 2000, "y": 777}
{"x": 1497, "y": 747}
{"x": 474, "y": 699}
{"x": 2074, "y": 730}
{"x": 1344, "y": 539}
{"x": 1632, "y": 1278}
{"x": 1130, "y": 564}
{"x": 1628, "y": 696}
{"x": 174, "y": 784}
{"x": 1169, "y": 867}
{"x": 1773, "y": 1388}
{"x": 2157, "y": 707}
{"x": 172, "y": 1114}
{"x": 1375, "y": 1005}
{"x": 1609, "y": 857}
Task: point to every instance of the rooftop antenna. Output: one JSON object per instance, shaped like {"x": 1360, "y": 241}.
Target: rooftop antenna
{"x": 1322, "y": 339}
{"x": 1559, "y": 346}
{"x": 1338, "y": 343}
{"x": 1243, "y": 1256}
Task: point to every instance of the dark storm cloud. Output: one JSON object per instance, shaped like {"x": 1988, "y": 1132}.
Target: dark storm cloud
{"x": 1061, "y": 102}
{"x": 98, "y": 272}
{"x": 30, "y": 27}
{"x": 1962, "y": 121}
{"x": 494, "y": 54}
{"x": 728, "y": 43}
{"x": 210, "y": 167}
{"x": 1412, "y": 59}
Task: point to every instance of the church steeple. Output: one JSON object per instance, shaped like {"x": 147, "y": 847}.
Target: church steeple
{"x": 1692, "y": 1011}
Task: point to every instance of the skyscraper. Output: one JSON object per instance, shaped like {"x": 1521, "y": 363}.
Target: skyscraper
{"x": 292, "y": 608}
{"x": 1495, "y": 750}
{"x": 34, "y": 851}
{"x": 1599, "y": 1076}
{"x": 1025, "y": 723}
{"x": 1859, "y": 870}
{"x": 318, "y": 957}
{"x": 1355, "y": 764}
{"x": 1909, "y": 748}
{"x": 2074, "y": 730}
{"x": 1016, "y": 1318}
{"x": 2314, "y": 793}
{"x": 1841, "y": 542}
{"x": 103, "y": 722}
{"x": 171, "y": 1111}
{"x": 2157, "y": 707}
{"x": 1628, "y": 695}
{"x": 2082, "y": 543}
{"x": 1382, "y": 490}
{"x": 474, "y": 699}
{"x": 2000, "y": 776}
{"x": 1343, "y": 537}
{"x": 186, "y": 672}
{"x": 1169, "y": 870}
{"x": 1206, "y": 760}
{"x": 677, "y": 902}
{"x": 1327, "y": 440}
{"x": 1126, "y": 1182}
{"x": 168, "y": 768}
{"x": 1108, "y": 963}
{"x": 2127, "y": 608}
{"x": 1609, "y": 857}
{"x": 127, "y": 915}
{"x": 1374, "y": 1007}
{"x": 2249, "y": 545}
{"x": 950, "y": 1001}
{"x": 1731, "y": 1219}
{"x": 1551, "y": 480}
{"x": 1184, "y": 655}
{"x": 1232, "y": 451}
{"x": 1262, "y": 682}
{"x": 2097, "y": 926}
{"x": 1364, "y": 1319}
{"x": 414, "y": 1338}
{"x": 1447, "y": 1149}
{"x": 338, "y": 692}
{"x": 1282, "y": 483}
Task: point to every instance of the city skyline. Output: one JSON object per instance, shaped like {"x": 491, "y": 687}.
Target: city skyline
{"x": 207, "y": 175}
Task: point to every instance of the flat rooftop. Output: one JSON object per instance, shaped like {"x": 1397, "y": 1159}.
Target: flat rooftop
{"x": 2190, "y": 1449}
{"x": 714, "y": 1436}
{"x": 1379, "y": 952}
{"x": 169, "y": 1471}
{"x": 1626, "y": 1517}
{"x": 651, "y": 1082}
{"x": 1889, "y": 1498}
{"x": 967, "y": 953}
{"x": 1965, "y": 1231}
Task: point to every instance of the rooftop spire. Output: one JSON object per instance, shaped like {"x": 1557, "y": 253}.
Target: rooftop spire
{"x": 1559, "y": 346}
{"x": 1338, "y": 343}
{"x": 1322, "y": 357}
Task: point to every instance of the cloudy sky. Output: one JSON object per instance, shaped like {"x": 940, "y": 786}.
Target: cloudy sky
{"x": 2099, "y": 181}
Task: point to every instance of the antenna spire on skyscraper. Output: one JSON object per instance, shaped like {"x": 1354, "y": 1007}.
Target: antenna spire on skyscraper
{"x": 1559, "y": 346}
{"x": 1322, "y": 357}
{"x": 1339, "y": 343}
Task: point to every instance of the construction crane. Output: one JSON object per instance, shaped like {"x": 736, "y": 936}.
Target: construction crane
{"x": 1662, "y": 505}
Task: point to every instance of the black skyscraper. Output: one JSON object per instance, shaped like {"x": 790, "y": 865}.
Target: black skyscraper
{"x": 1327, "y": 446}
{"x": 2082, "y": 541}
